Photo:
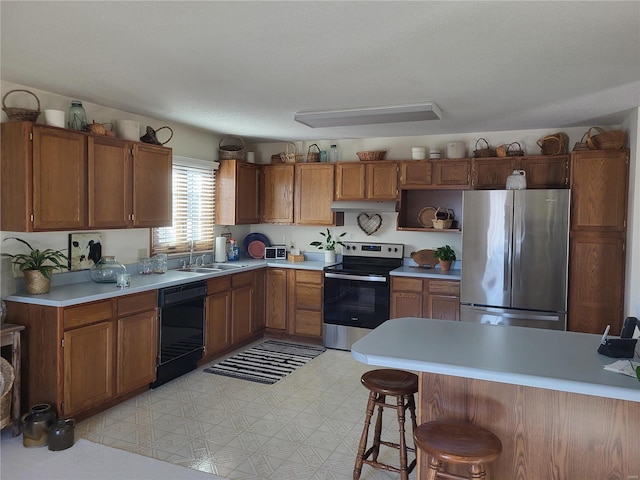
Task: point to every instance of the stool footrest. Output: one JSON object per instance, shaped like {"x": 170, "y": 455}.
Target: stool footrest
{"x": 390, "y": 468}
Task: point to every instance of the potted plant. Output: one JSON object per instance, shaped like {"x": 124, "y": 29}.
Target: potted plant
{"x": 329, "y": 245}
{"x": 445, "y": 256}
{"x": 37, "y": 266}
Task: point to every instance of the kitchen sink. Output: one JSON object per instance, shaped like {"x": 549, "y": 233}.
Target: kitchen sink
{"x": 200, "y": 269}
{"x": 222, "y": 266}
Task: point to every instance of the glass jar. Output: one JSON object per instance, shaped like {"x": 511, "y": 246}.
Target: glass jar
{"x": 106, "y": 270}
{"x": 145, "y": 266}
{"x": 160, "y": 263}
{"x": 333, "y": 153}
{"x": 77, "y": 116}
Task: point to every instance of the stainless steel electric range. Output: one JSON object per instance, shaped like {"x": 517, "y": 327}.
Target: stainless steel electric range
{"x": 356, "y": 291}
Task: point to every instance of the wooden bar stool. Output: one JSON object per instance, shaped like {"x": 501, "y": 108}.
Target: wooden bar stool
{"x": 383, "y": 383}
{"x": 462, "y": 443}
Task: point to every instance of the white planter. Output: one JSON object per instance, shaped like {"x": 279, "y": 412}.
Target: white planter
{"x": 329, "y": 256}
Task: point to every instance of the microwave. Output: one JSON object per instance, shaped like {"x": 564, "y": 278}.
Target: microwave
{"x": 275, "y": 252}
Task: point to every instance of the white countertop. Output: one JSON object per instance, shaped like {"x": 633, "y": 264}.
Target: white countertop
{"x": 420, "y": 272}
{"x": 551, "y": 359}
{"x": 89, "y": 291}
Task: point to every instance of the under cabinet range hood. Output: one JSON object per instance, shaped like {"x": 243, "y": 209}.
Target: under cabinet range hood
{"x": 364, "y": 206}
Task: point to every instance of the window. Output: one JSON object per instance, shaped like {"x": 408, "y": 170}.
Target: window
{"x": 193, "y": 208}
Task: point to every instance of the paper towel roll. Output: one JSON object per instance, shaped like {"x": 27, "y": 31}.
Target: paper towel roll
{"x": 221, "y": 249}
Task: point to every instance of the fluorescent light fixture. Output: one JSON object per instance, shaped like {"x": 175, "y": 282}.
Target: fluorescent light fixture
{"x": 413, "y": 112}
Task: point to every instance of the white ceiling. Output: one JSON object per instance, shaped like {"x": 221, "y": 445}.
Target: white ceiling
{"x": 245, "y": 68}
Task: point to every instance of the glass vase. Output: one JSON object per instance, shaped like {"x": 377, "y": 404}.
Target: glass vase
{"x": 106, "y": 270}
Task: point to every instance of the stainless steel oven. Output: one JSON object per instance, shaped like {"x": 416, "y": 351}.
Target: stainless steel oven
{"x": 181, "y": 338}
{"x": 356, "y": 292}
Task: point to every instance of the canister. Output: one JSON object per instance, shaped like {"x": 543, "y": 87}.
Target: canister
{"x": 456, "y": 149}
{"x": 62, "y": 434}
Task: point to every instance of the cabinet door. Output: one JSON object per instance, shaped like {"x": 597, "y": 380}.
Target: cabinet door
{"x": 451, "y": 173}
{"x": 406, "y": 297}
{"x": 314, "y": 194}
{"x": 382, "y": 181}
{"x": 59, "y": 179}
{"x": 415, "y": 174}
{"x": 242, "y": 305}
{"x": 546, "y": 171}
{"x": 350, "y": 181}
{"x": 277, "y": 191}
{"x": 218, "y": 325}
{"x": 152, "y": 186}
{"x": 305, "y": 299}
{"x": 276, "y": 298}
{"x": 137, "y": 351}
{"x": 596, "y": 283}
{"x": 88, "y": 366}
{"x": 599, "y": 187}
{"x": 442, "y": 307}
{"x": 247, "y": 194}
{"x": 491, "y": 173}
{"x": 406, "y": 304}
{"x": 260, "y": 298}
{"x": 109, "y": 182}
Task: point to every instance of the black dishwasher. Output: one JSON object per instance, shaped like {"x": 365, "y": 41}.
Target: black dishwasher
{"x": 181, "y": 338}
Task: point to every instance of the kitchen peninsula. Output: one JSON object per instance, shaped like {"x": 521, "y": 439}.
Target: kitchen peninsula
{"x": 545, "y": 393}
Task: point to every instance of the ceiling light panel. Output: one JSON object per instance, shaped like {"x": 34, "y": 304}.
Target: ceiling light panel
{"x": 414, "y": 112}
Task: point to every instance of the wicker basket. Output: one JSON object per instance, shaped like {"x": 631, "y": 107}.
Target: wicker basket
{"x": 313, "y": 156}
{"x": 582, "y": 144}
{"x": 603, "y": 140}
{"x": 555, "y": 144}
{"x": 483, "y": 152}
{"x": 152, "y": 138}
{"x": 511, "y": 150}
{"x": 233, "y": 151}
{"x": 440, "y": 223}
{"x": 291, "y": 155}
{"x": 21, "y": 114}
{"x": 8, "y": 377}
{"x": 425, "y": 216}
{"x": 371, "y": 155}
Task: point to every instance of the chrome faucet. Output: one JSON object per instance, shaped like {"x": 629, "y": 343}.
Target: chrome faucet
{"x": 191, "y": 254}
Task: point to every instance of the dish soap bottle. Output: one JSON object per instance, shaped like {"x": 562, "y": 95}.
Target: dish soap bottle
{"x": 234, "y": 251}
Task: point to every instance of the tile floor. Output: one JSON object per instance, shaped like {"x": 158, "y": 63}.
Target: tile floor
{"x": 305, "y": 427}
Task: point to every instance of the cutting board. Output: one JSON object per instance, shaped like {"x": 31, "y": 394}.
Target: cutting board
{"x": 424, "y": 258}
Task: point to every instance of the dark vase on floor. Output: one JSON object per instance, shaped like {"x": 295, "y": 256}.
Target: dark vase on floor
{"x": 36, "y": 425}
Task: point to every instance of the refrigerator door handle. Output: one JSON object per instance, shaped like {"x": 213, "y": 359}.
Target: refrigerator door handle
{"x": 517, "y": 243}
{"x": 518, "y": 316}
{"x": 506, "y": 273}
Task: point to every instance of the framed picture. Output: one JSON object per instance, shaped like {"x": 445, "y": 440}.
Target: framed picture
{"x": 85, "y": 249}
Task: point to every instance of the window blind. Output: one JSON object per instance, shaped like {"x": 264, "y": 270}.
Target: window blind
{"x": 193, "y": 209}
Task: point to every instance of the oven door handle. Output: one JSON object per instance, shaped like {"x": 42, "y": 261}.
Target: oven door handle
{"x": 362, "y": 278}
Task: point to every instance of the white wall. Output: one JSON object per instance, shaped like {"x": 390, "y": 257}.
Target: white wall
{"x": 632, "y": 283}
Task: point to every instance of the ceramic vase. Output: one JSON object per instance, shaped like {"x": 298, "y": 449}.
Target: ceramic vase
{"x": 329, "y": 256}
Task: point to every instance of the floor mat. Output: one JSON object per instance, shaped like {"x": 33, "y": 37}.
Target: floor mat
{"x": 267, "y": 362}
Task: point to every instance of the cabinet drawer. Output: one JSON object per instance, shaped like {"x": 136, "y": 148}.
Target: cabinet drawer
{"x": 87, "y": 313}
{"x": 406, "y": 284}
{"x": 138, "y": 302}
{"x": 217, "y": 285}
{"x": 242, "y": 279}
{"x": 306, "y": 276}
{"x": 444, "y": 287}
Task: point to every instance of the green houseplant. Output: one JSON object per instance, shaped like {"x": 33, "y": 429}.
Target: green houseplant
{"x": 445, "y": 256}
{"x": 328, "y": 244}
{"x": 37, "y": 266}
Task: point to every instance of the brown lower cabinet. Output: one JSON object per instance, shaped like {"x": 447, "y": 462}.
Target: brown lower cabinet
{"x": 425, "y": 298}
{"x": 87, "y": 356}
{"x": 293, "y": 302}
{"x": 234, "y": 311}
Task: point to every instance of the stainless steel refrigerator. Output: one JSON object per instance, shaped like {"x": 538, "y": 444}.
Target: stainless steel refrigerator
{"x": 515, "y": 247}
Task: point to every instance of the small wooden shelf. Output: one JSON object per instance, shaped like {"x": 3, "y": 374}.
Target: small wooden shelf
{"x": 434, "y": 230}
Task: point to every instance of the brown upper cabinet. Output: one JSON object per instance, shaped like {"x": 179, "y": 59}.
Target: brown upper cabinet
{"x": 50, "y": 175}
{"x": 367, "y": 181}
{"x": 314, "y": 194}
{"x": 277, "y": 193}
{"x": 44, "y": 178}
{"x": 237, "y": 193}
{"x": 542, "y": 171}
{"x": 130, "y": 184}
{"x": 435, "y": 174}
